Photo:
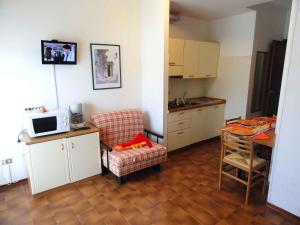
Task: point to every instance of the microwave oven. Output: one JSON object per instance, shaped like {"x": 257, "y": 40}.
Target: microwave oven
{"x": 41, "y": 124}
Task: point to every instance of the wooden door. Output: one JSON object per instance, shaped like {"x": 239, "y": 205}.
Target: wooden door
{"x": 49, "y": 165}
{"x": 191, "y": 59}
{"x": 84, "y": 156}
{"x": 208, "y": 59}
{"x": 276, "y": 63}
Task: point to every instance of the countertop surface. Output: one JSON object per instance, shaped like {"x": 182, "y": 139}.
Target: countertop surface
{"x": 73, "y": 133}
{"x": 192, "y": 103}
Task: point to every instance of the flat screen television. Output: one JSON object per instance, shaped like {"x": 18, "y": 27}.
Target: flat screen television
{"x": 57, "y": 52}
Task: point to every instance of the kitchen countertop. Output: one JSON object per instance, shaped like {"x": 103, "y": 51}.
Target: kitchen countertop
{"x": 30, "y": 141}
{"x": 198, "y": 103}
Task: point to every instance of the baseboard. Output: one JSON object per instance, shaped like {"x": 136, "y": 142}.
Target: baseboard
{"x": 284, "y": 213}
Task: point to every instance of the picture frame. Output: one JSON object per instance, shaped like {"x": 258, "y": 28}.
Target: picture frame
{"x": 106, "y": 66}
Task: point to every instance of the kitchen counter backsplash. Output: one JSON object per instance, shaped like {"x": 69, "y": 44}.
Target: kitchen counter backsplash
{"x": 190, "y": 103}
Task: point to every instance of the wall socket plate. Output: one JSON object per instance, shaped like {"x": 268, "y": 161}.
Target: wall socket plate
{"x": 7, "y": 161}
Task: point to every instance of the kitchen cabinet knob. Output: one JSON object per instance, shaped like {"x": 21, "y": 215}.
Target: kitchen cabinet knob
{"x": 72, "y": 145}
{"x": 62, "y": 147}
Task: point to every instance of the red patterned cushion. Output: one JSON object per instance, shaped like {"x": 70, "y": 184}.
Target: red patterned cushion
{"x": 129, "y": 157}
{"x": 120, "y": 126}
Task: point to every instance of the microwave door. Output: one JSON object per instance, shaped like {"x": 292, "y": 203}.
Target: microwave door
{"x": 45, "y": 124}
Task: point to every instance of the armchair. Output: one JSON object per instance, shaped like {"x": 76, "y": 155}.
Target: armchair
{"x": 120, "y": 127}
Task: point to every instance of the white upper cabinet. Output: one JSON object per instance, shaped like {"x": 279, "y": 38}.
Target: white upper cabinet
{"x": 208, "y": 59}
{"x": 193, "y": 59}
{"x": 176, "y": 47}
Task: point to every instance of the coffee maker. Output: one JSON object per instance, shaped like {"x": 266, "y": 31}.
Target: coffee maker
{"x": 76, "y": 116}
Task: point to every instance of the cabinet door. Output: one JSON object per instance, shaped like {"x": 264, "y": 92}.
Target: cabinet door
{"x": 176, "y": 52}
{"x": 49, "y": 167}
{"x": 214, "y": 120}
{"x": 208, "y": 59}
{"x": 191, "y": 59}
{"x": 198, "y": 125}
{"x": 178, "y": 139}
{"x": 84, "y": 156}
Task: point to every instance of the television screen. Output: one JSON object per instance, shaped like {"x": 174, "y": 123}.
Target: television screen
{"x": 56, "y": 52}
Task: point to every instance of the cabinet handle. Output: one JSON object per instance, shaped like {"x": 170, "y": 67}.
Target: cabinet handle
{"x": 208, "y": 75}
{"x": 181, "y": 113}
{"x": 72, "y": 145}
{"x": 171, "y": 63}
{"x": 180, "y": 123}
{"x": 216, "y": 107}
{"x": 199, "y": 110}
{"x": 180, "y": 132}
{"x": 62, "y": 147}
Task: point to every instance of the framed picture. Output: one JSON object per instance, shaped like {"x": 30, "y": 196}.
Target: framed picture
{"x": 106, "y": 66}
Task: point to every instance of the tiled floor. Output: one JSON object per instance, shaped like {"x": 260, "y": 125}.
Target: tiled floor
{"x": 184, "y": 192}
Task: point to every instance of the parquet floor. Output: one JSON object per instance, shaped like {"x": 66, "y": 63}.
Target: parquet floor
{"x": 184, "y": 192}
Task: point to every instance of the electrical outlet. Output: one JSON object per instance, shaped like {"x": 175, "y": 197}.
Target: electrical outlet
{"x": 7, "y": 161}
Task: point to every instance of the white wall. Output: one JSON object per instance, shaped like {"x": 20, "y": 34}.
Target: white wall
{"x": 190, "y": 28}
{"x": 26, "y": 82}
{"x": 235, "y": 35}
{"x": 272, "y": 22}
{"x": 192, "y": 87}
{"x": 154, "y": 42}
{"x": 285, "y": 181}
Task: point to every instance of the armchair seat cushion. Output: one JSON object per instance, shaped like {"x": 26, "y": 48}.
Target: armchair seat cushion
{"x": 124, "y": 162}
{"x": 122, "y": 158}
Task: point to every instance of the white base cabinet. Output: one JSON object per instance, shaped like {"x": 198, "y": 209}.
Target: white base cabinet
{"x": 191, "y": 126}
{"x": 57, "y": 162}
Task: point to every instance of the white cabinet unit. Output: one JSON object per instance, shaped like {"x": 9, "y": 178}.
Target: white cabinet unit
{"x": 208, "y": 59}
{"x": 48, "y": 165}
{"x": 84, "y": 156}
{"x": 191, "y": 126}
{"x": 52, "y": 163}
{"x": 176, "y": 47}
{"x": 193, "y": 59}
{"x": 198, "y": 125}
{"x": 214, "y": 120}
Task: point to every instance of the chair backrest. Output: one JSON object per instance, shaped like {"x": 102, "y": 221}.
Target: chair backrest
{"x": 119, "y": 126}
{"x": 234, "y": 143}
{"x": 232, "y": 120}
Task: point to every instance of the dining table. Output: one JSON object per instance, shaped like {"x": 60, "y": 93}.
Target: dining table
{"x": 267, "y": 142}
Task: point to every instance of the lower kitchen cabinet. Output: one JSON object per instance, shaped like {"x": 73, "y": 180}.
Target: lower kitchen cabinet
{"x": 65, "y": 160}
{"x": 198, "y": 125}
{"x": 194, "y": 125}
{"x": 178, "y": 139}
{"x": 214, "y": 120}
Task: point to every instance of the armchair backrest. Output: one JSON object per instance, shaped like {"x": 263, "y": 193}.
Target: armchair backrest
{"x": 119, "y": 126}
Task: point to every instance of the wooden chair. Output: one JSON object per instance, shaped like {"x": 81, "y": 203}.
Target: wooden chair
{"x": 232, "y": 120}
{"x": 237, "y": 154}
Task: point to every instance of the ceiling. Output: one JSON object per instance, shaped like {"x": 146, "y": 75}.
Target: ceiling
{"x": 214, "y": 9}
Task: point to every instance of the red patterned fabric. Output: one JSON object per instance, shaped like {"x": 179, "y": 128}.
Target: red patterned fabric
{"x": 120, "y": 126}
{"x": 125, "y": 162}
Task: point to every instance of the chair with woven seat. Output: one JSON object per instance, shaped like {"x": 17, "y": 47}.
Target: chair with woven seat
{"x": 232, "y": 120}
{"x": 120, "y": 127}
{"x": 237, "y": 153}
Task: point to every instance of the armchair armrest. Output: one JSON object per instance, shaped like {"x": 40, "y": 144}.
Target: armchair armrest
{"x": 158, "y": 136}
{"x": 105, "y": 146}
